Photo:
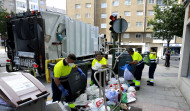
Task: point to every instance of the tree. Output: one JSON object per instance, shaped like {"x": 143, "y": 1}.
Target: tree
{"x": 168, "y": 21}
{"x": 3, "y": 21}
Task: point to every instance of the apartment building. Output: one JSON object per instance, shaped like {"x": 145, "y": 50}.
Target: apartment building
{"x": 8, "y": 4}
{"x": 21, "y": 5}
{"x": 135, "y": 12}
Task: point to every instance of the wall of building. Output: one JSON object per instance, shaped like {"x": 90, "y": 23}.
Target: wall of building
{"x": 184, "y": 69}
{"x": 82, "y": 11}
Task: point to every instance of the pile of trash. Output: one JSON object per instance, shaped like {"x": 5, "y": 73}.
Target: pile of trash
{"x": 91, "y": 100}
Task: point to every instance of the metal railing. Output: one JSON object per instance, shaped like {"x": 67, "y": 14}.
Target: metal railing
{"x": 104, "y": 84}
{"x": 124, "y": 49}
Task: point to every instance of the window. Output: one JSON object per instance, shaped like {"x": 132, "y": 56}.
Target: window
{"x": 138, "y": 24}
{"x": 103, "y": 15}
{"x": 77, "y": 5}
{"x": 127, "y": 2}
{"x": 34, "y": 1}
{"x": 33, "y": 7}
{"x": 88, "y": 5}
{"x": 42, "y": 2}
{"x": 42, "y": 9}
{"x": 138, "y": 35}
{"x": 115, "y": 13}
{"x": 87, "y": 15}
{"x": 150, "y": 12}
{"x": 126, "y": 36}
{"x": 103, "y": 26}
{"x": 148, "y": 35}
{"x": 115, "y": 3}
{"x": 139, "y": 2}
{"x": 159, "y": 2}
{"x": 127, "y": 13}
{"x": 149, "y": 25}
{"x": 104, "y": 5}
{"x": 151, "y": 1}
{"x": 139, "y": 13}
{"x": 11, "y": 4}
{"x": 77, "y": 16}
{"x": 129, "y": 24}
{"x": 21, "y": 4}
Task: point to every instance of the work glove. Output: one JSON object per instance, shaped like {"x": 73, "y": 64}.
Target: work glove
{"x": 63, "y": 90}
{"x": 123, "y": 67}
{"x": 80, "y": 71}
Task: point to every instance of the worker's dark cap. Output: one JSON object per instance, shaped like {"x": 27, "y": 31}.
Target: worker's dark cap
{"x": 130, "y": 50}
{"x": 72, "y": 56}
{"x": 98, "y": 53}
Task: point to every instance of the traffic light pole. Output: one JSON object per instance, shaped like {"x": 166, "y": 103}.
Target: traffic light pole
{"x": 120, "y": 33}
{"x": 113, "y": 52}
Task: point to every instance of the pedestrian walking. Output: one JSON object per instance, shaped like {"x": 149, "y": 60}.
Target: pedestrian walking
{"x": 152, "y": 67}
{"x": 167, "y": 62}
{"x": 137, "y": 59}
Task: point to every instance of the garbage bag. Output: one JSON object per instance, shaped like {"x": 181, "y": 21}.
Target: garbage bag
{"x": 128, "y": 75}
{"x": 117, "y": 109}
{"x": 92, "y": 90}
{"x": 147, "y": 60}
{"x": 131, "y": 89}
{"x": 96, "y": 104}
{"x": 112, "y": 96}
{"x": 97, "y": 66}
{"x": 124, "y": 98}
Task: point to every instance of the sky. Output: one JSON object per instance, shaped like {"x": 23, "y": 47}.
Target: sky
{"x": 61, "y": 4}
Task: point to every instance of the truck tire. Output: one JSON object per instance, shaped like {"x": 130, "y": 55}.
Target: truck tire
{"x": 9, "y": 68}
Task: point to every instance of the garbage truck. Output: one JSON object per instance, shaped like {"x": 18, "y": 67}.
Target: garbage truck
{"x": 34, "y": 37}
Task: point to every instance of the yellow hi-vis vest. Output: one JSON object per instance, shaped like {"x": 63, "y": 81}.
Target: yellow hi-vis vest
{"x": 136, "y": 56}
{"x": 103, "y": 61}
{"x": 152, "y": 58}
{"x": 62, "y": 69}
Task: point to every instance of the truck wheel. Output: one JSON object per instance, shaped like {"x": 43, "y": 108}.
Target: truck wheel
{"x": 9, "y": 68}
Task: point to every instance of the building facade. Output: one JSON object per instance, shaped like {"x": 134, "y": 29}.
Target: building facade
{"x": 10, "y": 5}
{"x": 184, "y": 69}
{"x": 21, "y": 5}
{"x": 135, "y": 12}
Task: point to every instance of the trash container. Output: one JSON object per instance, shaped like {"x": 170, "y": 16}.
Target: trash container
{"x": 123, "y": 59}
{"x": 76, "y": 82}
{"x": 22, "y": 92}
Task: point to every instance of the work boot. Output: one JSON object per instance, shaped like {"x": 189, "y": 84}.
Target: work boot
{"x": 137, "y": 88}
{"x": 132, "y": 84}
{"x": 150, "y": 83}
{"x": 147, "y": 81}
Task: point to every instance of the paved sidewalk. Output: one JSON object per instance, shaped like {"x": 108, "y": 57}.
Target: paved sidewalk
{"x": 164, "y": 95}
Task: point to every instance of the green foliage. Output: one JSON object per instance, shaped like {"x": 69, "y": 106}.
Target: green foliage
{"x": 3, "y": 21}
{"x": 168, "y": 20}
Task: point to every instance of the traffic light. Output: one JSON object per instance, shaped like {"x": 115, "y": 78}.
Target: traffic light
{"x": 112, "y": 18}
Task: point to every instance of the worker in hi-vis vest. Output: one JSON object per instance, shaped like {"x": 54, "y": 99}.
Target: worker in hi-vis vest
{"x": 138, "y": 60}
{"x": 98, "y": 63}
{"x": 61, "y": 73}
{"x": 152, "y": 67}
